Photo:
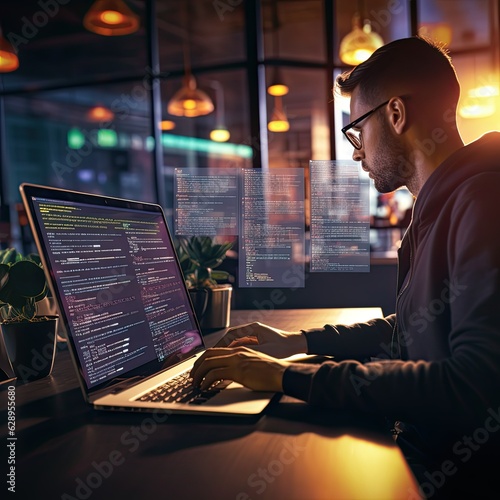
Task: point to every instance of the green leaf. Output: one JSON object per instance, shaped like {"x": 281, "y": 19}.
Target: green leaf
{"x": 220, "y": 275}
{"x": 4, "y": 275}
{"x": 34, "y": 257}
{"x": 27, "y": 279}
{"x": 204, "y": 255}
{"x": 11, "y": 256}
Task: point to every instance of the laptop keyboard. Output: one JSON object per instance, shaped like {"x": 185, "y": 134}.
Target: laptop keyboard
{"x": 180, "y": 390}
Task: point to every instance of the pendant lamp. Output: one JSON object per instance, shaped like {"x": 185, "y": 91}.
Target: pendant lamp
{"x": 220, "y": 133}
{"x": 167, "y": 125}
{"x": 480, "y": 100}
{"x": 277, "y": 87}
{"x": 279, "y": 121}
{"x": 189, "y": 100}
{"x": 8, "y": 57}
{"x": 100, "y": 113}
{"x": 358, "y": 45}
{"x": 111, "y": 18}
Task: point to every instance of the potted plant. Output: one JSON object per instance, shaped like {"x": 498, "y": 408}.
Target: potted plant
{"x": 199, "y": 256}
{"x": 29, "y": 339}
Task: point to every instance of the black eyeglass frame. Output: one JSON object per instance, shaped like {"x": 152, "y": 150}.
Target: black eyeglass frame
{"x": 360, "y": 119}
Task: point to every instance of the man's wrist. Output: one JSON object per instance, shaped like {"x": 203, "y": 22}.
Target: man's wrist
{"x": 297, "y": 343}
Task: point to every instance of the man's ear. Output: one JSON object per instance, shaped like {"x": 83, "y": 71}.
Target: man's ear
{"x": 398, "y": 114}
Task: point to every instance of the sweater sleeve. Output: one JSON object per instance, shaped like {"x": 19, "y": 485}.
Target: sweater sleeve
{"x": 461, "y": 389}
{"x": 357, "y": 341}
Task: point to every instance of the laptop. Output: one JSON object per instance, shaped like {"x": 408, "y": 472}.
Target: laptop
{"x": 131, "y": 327}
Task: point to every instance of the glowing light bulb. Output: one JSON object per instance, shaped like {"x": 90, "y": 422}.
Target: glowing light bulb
{"x": 112, "y": 17}
{"x": 189, "y": 104}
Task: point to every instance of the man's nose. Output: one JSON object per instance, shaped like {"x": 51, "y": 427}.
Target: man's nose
{"x": 357, "y": 155}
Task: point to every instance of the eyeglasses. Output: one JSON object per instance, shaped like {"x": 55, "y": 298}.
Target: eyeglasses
{"x": 354, "y": 136}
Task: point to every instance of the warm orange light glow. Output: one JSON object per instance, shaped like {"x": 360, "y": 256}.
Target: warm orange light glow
{"x": 190, "y": 101}
{"x": 477, "y": 107}
{"x": 220, "y": 135}
{"x": 167, "y": 125}
{"x": 8, "y": 57}
{"x": 189, "y": 104}
{"x": 111, "y": 17}
{"x": 8, "y": 62}
{"x": 100, "y": 114}
{"x": 279, "y": 120}
{"x": 440, "y": 32}
{"x": 358, "y": 45}
{"x": 277, "y": 89}
{"x": 384, "y": 473}
{"x": 484, "y": 91}
{"x": 479, "y": 103}
{"x": 278, "y": 126}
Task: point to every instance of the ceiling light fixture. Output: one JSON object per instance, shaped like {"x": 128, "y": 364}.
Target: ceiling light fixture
{"x": 220, "y": 133}
{"x": 100, "y": 114}
{"x": 167, "y": 125}
{"x": 277, "y": 86}
{"x": 111, "y": 18}
{"x": 479, "y": 103}
{"x": 359, "y": 44}
{"x": 8, "y": 57}
{"x": 189, "y": 100}
{"x": 480, "y": 100}
{"x": 279, "y": 121}
{"x": 477, "y": 107}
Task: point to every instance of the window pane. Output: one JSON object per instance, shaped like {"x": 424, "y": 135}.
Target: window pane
{"x": 306, "y": 109}
{"x": 473, "y": 40}
{"x": 54, "y": 47}
{"x": 188, "y": 144}
{"x": 461, "y": 24}
{"x": 200, "y": 33}
{"x": 294, "y": 30}
{"x": 51, "y": 139}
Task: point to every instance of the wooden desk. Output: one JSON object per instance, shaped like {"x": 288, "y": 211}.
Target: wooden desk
{"x": 64, "y": 450}
{"x": 303, "y": 319}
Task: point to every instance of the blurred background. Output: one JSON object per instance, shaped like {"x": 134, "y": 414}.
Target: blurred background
{"x": 111, "y": 96}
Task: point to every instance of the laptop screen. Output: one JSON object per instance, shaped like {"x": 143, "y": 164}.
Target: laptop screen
{"x": 118, "y": 282}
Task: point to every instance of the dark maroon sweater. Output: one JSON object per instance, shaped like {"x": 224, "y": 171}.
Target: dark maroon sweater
{"x": 446, "y": 330}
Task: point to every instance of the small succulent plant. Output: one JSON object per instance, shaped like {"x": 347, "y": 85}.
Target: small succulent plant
{"x": 22, "y": 285}
{"x": 199, "y": 255}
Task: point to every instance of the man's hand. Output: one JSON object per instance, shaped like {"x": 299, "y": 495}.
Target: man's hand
{"x": 265, "y": 339}
{"x": 254, "y": 370}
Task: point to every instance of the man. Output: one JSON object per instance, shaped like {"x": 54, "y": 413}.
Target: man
{"x": 442, "y": 385}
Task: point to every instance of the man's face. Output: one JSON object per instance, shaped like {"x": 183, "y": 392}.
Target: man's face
{"x": 382, "y": 154}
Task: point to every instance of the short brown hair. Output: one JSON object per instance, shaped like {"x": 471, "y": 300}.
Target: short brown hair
{"x": 407, "y": 61}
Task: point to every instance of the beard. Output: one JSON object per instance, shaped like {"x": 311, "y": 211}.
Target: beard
{"x": 392, "y": 167}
